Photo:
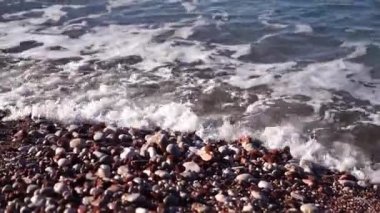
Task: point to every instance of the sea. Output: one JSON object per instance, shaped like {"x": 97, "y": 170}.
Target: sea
{"x": 303, "y": 74}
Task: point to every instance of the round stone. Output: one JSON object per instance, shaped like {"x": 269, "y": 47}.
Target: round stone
{"x": 59, "y": 151}
{"x": 264, "y": 185}
{"x": 104, "y": 171}
{"x": 244, "y": 178}
{"x": 308, "y": 208}
{"x": 191, "y": 167}
{"x": 60, "y": 188}
{"x": 98, "y": 136}
{"x": 63, "y": 162}
{"x": 173, "y": 149}
{"x": 77, "y": 143}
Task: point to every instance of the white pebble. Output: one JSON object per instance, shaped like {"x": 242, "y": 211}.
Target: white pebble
{"x": 264, "y": 185}
{"x": 191, "y": 167}
{"x": 63, "y": 162}
{"x": 308, "y": 208}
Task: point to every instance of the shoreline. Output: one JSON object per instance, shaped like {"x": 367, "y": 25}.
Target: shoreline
{"x": 93, "y": 167}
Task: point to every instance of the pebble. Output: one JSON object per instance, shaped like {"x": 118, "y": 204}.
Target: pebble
{"x": 205, "y": 155}
{"x": 60, "y": 188}
{"x": 104, "y": 171}
{"x": 152, "y": 152}
{"x": 221, "y": 198}
{"x": 31, "y": 188}
{"x": 244, "y": 178}
{"x": 123, "y": 171}
{"x": 264, "y": 185}
{"x": 77, "y": 143}
{"x": 247, "y": 208}
{"x": 98, "y": 136}
{"x": 309, "y": 208}
{"x": 297, "y": 196}
{"x": 6, "y": 188}
{"x": 162, "y": 174}
{"x": 173, "y": 149}
{"x": 171, "y": 200}
{"x": 200, "y": 208}
{"x": 72, "y": 128}
{"x": 141, "y": 210}
{"x": 191, "y": 167}
{"x": 132, "y": 198}
{"x": 59, "y": 151}
{"x": 256, "y": 194}
{"x": 63, "y": 162}
{"x": 127, "y": 153}
{"x": 158, "y": 138}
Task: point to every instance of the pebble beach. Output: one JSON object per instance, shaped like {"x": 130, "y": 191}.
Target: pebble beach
{"x": 94, "y": 167}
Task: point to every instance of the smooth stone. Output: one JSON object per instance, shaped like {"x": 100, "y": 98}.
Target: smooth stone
{"x": 33, "y": 150}
{"x": 264, "y": 185}
{"x": 158, "y": 138}
{"x": 173, "y": 149}
{"x": 171, "y": 200}
{"x": 152, "y": 152}
{"x": 104, "y": 171}
{"x": 162, "y": 174}
{"x": 247, "y": 208}
{"x": 72, "y": 128}
{"x": 60, "y": 188}
{"x": 37, "y": 200}
{"x": 308, "y": 208}
{"x": 205, "y": 155}
{"x": 6, "y": 188}
{"x": 244, "y": 178}
{"x": 132, "y": 198}
{"x": 98, "y": 154}
{"x": 98, "y": 136}
{"x": 59, "y": 151}
{"x": 123, "y": 171}
{"x": 127, "y": 153}
{"x": 31, "y": 188}
{"x": 124, "y": 137}
{"x": 223, "y": 149}
{"x": 87, "y": 200}
{"x": 49, "y": 170}
{"x": 200, "y": 208}
{"x": 141, "y": 210}
{"x": 257, "y": 195}
{"x": 106, "y": 159}
{"x": 63, "y": 162}
{"x": 77, "y": 143}
{"x": 191, "y": 167}
{"x": 297, "y": 196}
{"x": 221, "y": 198}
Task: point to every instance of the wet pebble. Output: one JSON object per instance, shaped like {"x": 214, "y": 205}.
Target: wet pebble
{"x": 309, "y": 208}
{"x": 244, "y": 178}
{"x": 104, "y": 171}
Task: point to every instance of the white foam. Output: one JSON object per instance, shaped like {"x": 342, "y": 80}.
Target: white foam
{"x": 303, "y": 28}
{"x": 340, "y": 156}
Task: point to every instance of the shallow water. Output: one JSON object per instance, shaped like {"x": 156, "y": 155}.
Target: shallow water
{"x": 301, "y": 74}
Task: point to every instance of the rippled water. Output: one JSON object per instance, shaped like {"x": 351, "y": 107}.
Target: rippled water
{"x": 303, "y": 74}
